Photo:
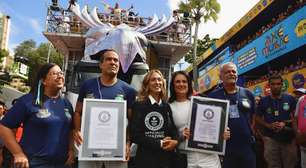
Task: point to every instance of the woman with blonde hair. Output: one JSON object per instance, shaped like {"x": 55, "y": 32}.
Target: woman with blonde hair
{"x": 152, "y": 127}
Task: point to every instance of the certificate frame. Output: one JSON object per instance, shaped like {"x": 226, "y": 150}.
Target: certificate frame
{"x": 208, "y": 115}
{"x": 109, "y": 118}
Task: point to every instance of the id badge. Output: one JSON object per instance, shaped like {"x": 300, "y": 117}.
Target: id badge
{"x": 233, "y": 111}
{"x": 276, "y": 113}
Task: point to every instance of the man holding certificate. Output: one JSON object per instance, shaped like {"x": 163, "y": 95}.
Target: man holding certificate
{"x": 239, "y": 152}
{"x": 107, "y": 86}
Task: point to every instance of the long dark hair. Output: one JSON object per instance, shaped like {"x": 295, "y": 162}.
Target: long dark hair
{"x": 38, "y": 88}
{"x": 172, "y": 91}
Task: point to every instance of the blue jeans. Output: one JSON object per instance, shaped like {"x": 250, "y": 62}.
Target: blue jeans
{"x": 42, "y": 163}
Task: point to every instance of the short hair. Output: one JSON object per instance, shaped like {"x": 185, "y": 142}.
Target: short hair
{"x": 172, "y": 91}
{"x": 100, "y": 55}
{"x": 275, "y": 76}
{"x": 227, "y": 63}
{"x": 144, "y": 90}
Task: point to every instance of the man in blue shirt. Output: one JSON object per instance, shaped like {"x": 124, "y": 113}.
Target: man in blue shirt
{"x": 239, "y": 152}
{"x": 107, "y": 86}
{"x": 274, "y": 113}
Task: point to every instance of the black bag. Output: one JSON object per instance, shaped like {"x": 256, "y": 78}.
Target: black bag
{"x": 178, "y": 160}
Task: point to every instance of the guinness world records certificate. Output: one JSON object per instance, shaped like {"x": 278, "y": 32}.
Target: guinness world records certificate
{"x": 207, "y": 122}
{"x": 104, "y": 130}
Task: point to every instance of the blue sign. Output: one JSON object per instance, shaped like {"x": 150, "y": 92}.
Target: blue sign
{"x": 298, "y": 80}
{"x": 221, "y": 57}
{"x": 207, "y": 81}
{"x": 282, "y": 38}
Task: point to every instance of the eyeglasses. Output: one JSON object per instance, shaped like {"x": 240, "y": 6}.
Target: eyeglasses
{"x": 60, "y": 73}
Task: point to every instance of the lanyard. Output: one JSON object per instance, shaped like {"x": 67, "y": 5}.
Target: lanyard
{"x": 99, "y": 88}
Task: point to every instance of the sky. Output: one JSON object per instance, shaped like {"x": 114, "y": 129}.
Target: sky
{"x": 28, "y": 16}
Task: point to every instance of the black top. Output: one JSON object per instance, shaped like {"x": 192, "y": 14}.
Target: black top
{"x": 150, "y": 124}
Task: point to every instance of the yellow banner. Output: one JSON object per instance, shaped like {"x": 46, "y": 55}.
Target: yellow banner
{"x": 209, "y": 80}
{"x": 292, "y": 81}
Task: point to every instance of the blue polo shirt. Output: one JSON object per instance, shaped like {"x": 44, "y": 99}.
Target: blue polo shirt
{"x": 274, "y": 110}
{"x": 45, "y": 130}
{"x": 239, "y": 117}
{"x": 93, "y": 88}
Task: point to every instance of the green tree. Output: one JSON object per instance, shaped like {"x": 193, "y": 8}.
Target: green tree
{"x": 3, "y": 53}
{"x": 199, "y": 10}
{"x": 24, "y": 48}
{"x": 37, "y": 56}
{"x": 203, "y": 45}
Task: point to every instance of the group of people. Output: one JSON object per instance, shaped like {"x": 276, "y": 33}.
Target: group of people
{"x": 158, "y": 125}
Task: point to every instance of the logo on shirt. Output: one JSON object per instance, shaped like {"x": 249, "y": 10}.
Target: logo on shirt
{"x": 245, "y": 103}
{"x": 104, "y": 116}
{"x": 154, "y": 121}
{"x": 208, "y": 114}
{"x": 43, "y": 113}
{"x": 286, "y": 106}
{"x": 269, "y": 110}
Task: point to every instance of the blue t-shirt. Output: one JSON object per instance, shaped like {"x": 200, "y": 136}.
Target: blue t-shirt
{"x": 45, "y": 130}
{"x": 242, "y": 107}
{"x": 274, "y": 110}
{"x": 93, "y": 88}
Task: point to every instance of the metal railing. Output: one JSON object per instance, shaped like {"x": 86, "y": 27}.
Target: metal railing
{"x": 63, "y": 21}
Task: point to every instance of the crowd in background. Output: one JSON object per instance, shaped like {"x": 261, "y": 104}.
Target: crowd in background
{"x": 300, "y": 64}
{"x": 280, "y": 17}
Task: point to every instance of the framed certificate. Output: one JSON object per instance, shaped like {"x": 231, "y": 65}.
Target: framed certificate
{"x": 104, "y": 130}
{"x": 207, "y": 122}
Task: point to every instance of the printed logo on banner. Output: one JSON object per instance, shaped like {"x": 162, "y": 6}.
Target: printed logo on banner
{"x": 207, "y": 81}
{"x": 257, "y": 91}
{"x": 275, "y": 42}
{"x": 285, "y": 85}
{"x": 298, "y": 80}
{"x": 300, "y": 29}
{"x": 154, "y": 121}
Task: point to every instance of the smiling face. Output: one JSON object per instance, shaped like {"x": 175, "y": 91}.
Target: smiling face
{"x": 54, "y": 79}
{"x": 110, "y": 64}
{"x": 180, "y": 85}
{"x": 228, "y": 74}
{"x": 155, "y": 84}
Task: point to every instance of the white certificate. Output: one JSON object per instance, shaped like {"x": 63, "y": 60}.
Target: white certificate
{"x": 103, "y": 128}
{"x": 207, "y": 127}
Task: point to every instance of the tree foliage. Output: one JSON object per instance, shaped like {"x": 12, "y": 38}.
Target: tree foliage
{"x": 199, "y": 10}
{"x": 3, "y": 53}
{"x": 37, "y": 56}
{"x": 203, "y": 45}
